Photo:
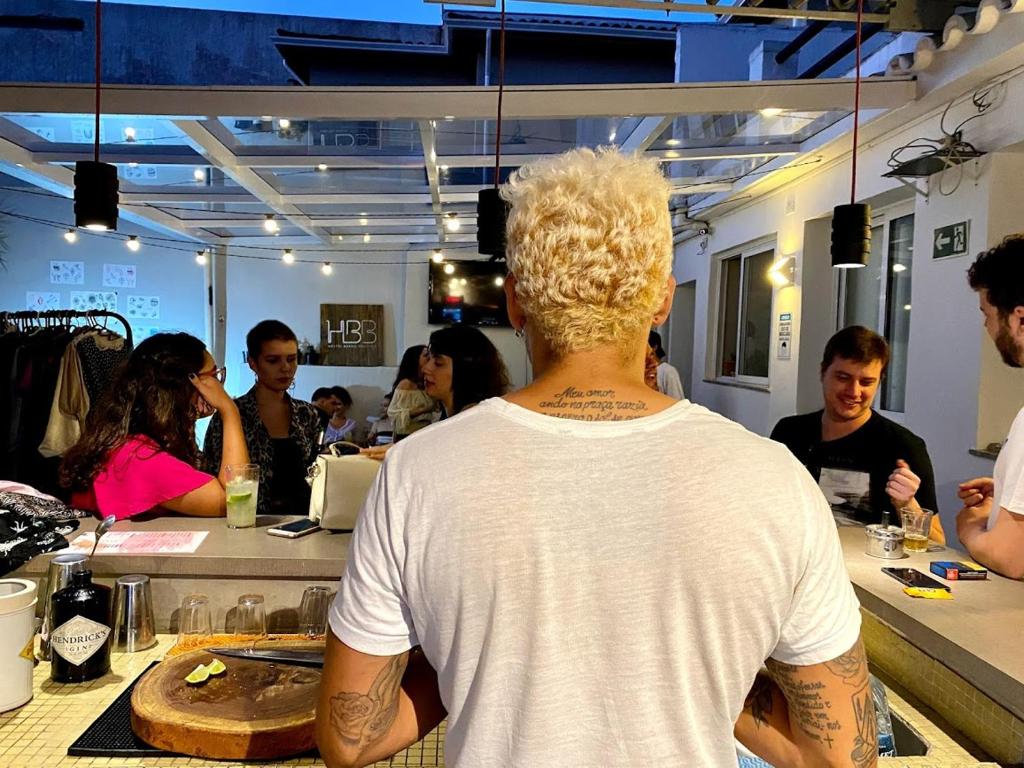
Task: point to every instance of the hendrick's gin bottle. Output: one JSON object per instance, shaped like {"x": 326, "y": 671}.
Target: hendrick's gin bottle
{"x": 80, "y": 640}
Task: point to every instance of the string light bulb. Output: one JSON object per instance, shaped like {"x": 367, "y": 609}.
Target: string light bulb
{"x": 340, "y": 238}
{"x": 327, "y": 269}
{"x": 199, "y": 174}
{"x": 201, "y": 259}
{"x": 288, "y": 257}
{"x": 449, "y": 269}
{"x": 366, "y": 237}
{"x": 437, "y": 257}
{"x": 499, "y": 281}
{"x": 284, "y": 123}
{"x": 133, "y": 244}
{"x": 452, "y": 224}
{"x": 71, "y": 236}
{"x": 270, "y": 223}
{"x": 322, "y": 167}
{"x": 129, "y": 134}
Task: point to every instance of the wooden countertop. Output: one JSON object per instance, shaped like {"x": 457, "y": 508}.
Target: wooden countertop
{"x": 979, "y": 634}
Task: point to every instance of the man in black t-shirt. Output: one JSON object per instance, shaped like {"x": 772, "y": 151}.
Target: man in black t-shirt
{"x": 864, "y": 462}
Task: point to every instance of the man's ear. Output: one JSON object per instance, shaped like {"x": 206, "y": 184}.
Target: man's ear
{"x": 516, "y": 316}
{"x": 661, "y": 315}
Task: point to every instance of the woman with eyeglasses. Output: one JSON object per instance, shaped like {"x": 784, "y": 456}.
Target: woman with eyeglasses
{"x": 282, "y": 433}
{"x": 138, "y": 448}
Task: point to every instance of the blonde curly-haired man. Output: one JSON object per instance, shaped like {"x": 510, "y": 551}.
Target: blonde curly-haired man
{"x": 513, "y": 568}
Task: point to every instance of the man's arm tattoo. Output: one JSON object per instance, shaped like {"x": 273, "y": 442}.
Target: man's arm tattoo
{"x": 363, "y": 719}
{"x": 811, "y": 709}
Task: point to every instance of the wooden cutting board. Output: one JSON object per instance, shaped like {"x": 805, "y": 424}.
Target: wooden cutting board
{"x": 256, "y": 710}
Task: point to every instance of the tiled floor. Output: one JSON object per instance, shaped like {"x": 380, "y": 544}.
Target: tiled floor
{"x": 38, "y": 734}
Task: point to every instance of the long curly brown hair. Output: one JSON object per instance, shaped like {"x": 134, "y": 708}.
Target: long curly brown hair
{"x": 149, "y": 395}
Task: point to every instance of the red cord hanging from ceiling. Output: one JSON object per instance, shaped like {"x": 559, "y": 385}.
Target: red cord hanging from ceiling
{"x": 501, "y": 93}
{"x": 96, "y": 134}
{"x": 856, "y": 101}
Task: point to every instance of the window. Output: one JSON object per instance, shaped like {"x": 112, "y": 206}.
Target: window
{"x": 878, "y": 297}
{"x": 744, "y": 316}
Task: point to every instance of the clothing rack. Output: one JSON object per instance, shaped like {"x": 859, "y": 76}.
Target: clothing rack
{"x": 65, "y": 316}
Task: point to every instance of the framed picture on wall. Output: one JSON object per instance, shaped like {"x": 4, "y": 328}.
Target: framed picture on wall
{"x": 352, "y": 334}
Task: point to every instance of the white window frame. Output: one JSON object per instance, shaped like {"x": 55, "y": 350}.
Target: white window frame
{"x": 883, "y": 218}
{"x": 744, "y": 252}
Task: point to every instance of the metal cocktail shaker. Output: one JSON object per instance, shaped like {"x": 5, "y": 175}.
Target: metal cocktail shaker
{"x": 58, "y": 577}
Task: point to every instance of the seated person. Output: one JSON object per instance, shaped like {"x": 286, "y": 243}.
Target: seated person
{"x": 282, "y": 433}
{"x": 991, "y": 523}
{"x": 382, "y": 429}
{"x": 864, "y": 462}
{"x": 138, "y": 450}
{"x": 325, "y": 401}
{"x": 340, "y": 426}
{"x": 411, "y": 408}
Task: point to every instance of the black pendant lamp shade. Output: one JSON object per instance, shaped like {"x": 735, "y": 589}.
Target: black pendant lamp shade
{"x": 851, "y": 236}
{"x": 491, "y": 214}
{"x": 96, "y": 188}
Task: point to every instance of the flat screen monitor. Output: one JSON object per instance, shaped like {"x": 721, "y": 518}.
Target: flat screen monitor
{"x": 467, "y": 292}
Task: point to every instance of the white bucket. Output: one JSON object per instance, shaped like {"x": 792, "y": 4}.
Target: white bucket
{"x": 17, "y": 630}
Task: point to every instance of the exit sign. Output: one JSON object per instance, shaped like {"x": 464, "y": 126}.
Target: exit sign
{"x": 951, "y": 241}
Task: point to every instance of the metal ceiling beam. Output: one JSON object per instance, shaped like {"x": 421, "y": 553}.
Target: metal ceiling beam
{"x": 320, "y": 221}
{"x": 462, "y": 102}
{"x": 646, "y": 133}
{"x": 723, "y": 153}
{"x": 428, "y": 140}
{"x": 744, "y": 11}
{"x": 223, "y": 158}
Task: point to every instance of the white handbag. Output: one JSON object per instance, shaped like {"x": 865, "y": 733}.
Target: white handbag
{"x": 340, "y": 485}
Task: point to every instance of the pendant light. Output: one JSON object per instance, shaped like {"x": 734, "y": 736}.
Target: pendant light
{"x": 851, "y": 224}
{"x": 491, "y": 210}
{"x": 96, "y": 184}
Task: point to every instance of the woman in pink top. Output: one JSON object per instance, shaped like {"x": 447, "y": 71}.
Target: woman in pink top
{"x": 138, "y": 450}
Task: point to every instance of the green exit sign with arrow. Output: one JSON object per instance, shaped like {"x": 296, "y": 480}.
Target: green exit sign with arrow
{"x": 952, "y": 241}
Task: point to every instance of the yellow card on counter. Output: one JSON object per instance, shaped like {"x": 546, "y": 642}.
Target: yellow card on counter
{"x": 929, "y": 593}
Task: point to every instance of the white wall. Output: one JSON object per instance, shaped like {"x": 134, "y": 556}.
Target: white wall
{"x": 170, "y": 274}
{"x": 945, "y": 366}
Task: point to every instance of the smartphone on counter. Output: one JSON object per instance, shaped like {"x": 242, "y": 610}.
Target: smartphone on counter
{"x": 295, "y": 529}
{"x": 914, "y": 578}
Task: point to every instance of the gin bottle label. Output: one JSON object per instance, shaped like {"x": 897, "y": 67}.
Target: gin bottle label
{"x": 78, "y": 639}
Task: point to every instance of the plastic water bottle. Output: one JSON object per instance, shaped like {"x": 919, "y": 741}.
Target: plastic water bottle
{"x": 886, "y": 740}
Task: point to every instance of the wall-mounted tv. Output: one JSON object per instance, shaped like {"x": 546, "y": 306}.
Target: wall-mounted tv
{"x": 468, "y": 292}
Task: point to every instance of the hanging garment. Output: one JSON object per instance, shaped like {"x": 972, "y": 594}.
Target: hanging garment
{"x": 69, "y": 407}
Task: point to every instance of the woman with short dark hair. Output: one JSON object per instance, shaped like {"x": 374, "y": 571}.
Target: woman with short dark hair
{"x": 463, "y": 368}
{"x": 280, "y": 431}
{"x": 138, "y": 449}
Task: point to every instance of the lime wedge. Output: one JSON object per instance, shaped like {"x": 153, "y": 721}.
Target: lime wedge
{"x": 198, "y": 675}
{"x": 237, "y": 497}
{"x": 216, "y": 667}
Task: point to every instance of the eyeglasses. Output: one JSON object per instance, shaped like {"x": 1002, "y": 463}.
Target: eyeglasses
{"x": 221, "y": 374}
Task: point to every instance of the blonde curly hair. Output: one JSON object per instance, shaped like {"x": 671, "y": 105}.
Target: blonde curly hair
{"x": 589, "y": 241}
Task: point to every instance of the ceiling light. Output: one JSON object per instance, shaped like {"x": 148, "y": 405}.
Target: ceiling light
{"x": 771, "y": 112}
{"x": 449, "y": 118}
{"x": 284, "y": 123}
{"x": 897, "y": 268}
{"x": 672, "y": 142}
{"x": 96, "y": 188}
{"x": 437, "y": 257}
{"x": 462, "y": 281}
{"x": 443, "y": 169}
{"x": 327, "y": 269}
{"x": 452, "y": 224}
{"x": 364, "y": 221}
{"x": 340, "y": 238}
{"x": 851, "y": 236}
{"x": 199, "y": 174}
{"x": 453, "y": 285}
{"x": 612, "y": 135}
{"x": 322, "y": 167}
{"x": 671, "y": 154}
{"x": 906, "y": 307}
{"x": 133, "y": 165}
{"x": 201, "y": 258}
{"x": 366, "y": 237}
{"x": 288, "y": 257}
{"x": 129, "y": 134}
{"x": 499, "y": 281}
{"x": 270, "y": 223}
{"x": 133, "y": 244}
{"x": 449, "y": 269}
{"x": 71, "y": 236}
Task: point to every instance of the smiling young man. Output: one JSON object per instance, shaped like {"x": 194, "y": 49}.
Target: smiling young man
{"x": 864, "y": 462}
{"x": 991, "y": 524}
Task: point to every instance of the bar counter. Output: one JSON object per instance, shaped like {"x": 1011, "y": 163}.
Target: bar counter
{"x": 961, "y": 658}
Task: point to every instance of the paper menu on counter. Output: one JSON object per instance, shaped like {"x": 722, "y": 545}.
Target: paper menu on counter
{"x": 141, "y": 543}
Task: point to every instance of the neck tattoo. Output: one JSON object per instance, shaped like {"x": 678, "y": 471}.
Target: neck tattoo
{"x": 592, "y": 405}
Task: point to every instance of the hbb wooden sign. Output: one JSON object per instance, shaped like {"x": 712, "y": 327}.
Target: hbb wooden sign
{"x": 352, "y": 334}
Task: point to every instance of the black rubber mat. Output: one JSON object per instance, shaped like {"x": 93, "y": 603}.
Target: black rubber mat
{"x": 110, "y": 734}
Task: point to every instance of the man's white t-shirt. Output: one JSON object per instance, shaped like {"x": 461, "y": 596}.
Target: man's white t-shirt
{"x": 578, "y": 614}
{"x": 668, "y": 381}
{"x": 1008, "y": 492}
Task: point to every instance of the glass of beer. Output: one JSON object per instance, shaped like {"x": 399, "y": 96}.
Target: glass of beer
{"x": 917, "y": 525}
